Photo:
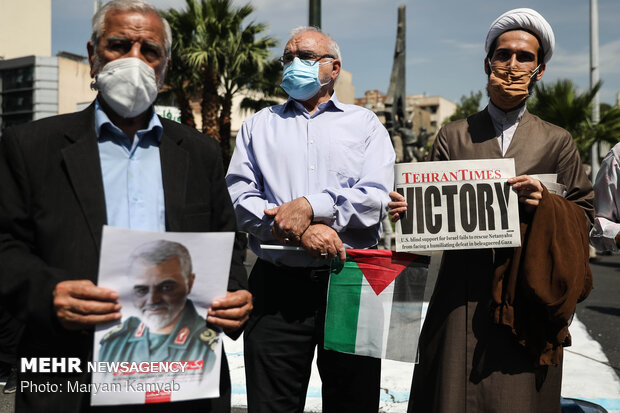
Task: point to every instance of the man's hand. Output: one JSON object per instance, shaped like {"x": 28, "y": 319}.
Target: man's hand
{"x": 398, "y": 205}
{"x": 291, "y": 219}
{"x": 528, "y": 189}
{"x": 231, "y": 312}
{"x": 322, "y": 241}
{"x": 81, "y": 304}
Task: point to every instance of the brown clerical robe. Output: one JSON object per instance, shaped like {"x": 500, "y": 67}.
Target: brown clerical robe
{"x": 467, "y": 363}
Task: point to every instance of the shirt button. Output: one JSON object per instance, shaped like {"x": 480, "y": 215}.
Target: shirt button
{"x": 311, "y": 141}
{"x": 312, "y": 167}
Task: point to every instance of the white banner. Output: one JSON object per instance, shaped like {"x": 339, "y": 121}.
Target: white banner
{"x": 162, "y": 349}
{"x": 457, "y": 205}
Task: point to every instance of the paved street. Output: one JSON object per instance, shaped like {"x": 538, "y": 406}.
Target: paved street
{"x": 591, "y": 365}
{"x": 601, "y": 311}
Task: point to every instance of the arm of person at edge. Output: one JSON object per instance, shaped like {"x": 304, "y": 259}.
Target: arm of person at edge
{"x": 605, "y": 233}
{"x": 360, "y": 206}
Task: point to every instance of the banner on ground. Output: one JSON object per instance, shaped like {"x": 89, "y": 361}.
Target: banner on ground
{"x": 457, "y": 205}
{"x": 374, "y": 304}
{"x": 162, "y": 349}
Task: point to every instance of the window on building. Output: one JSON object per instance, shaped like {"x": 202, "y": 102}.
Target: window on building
{"x": 16, "y": 96}
{"x": 20, "y": 78}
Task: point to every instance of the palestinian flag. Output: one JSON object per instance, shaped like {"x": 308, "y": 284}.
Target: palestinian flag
{"x": 374, "y": 304}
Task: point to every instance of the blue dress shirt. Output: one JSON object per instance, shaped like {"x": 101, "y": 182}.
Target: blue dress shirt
{"x": 132, "y": 181}
{"x": 340, "y": 159}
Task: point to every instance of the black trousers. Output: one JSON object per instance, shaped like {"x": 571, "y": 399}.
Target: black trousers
{"x": 10, "y": 334}
{"x": 284, "y": 329}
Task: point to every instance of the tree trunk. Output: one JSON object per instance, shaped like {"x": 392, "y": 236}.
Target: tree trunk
{"x": 210, "y": 104}
{"x": 187, "y": 115}
{"x": 225, "y": 128}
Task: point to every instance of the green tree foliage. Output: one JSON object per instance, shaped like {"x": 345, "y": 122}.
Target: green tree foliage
{"x": 244, "y": 57}
{"x": 266, "y": 87}
{"x": 218, "y": 55}
{"x": 467, "y": 107}
{"x": 561, "y": 104}
{"x": 181, "y": 79}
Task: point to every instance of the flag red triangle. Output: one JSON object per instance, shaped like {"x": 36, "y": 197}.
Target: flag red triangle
{"x": 381, "y": 267}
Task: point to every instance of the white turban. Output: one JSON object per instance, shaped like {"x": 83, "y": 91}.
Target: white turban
{"x": 526, "y": 19}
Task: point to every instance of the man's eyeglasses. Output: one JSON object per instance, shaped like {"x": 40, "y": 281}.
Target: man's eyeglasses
{"x": 307, "y": 58}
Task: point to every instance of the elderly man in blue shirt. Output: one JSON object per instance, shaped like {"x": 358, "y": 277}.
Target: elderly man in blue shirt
{"x": 312, "y": 172}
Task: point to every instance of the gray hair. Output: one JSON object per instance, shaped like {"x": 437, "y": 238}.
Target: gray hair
{"x": 332, "y": 46}
{"x": 131, "y": 6}
{"x": 160, "y": 251}
{"x": 128, "y": 5}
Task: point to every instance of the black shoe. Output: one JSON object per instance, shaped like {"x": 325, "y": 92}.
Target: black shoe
{"x": 11, "y": 383}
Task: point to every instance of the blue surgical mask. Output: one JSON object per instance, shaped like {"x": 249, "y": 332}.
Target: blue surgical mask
{"x": 300, "y": 80}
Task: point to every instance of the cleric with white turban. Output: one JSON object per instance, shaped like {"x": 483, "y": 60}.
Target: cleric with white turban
{"x": 493, "y": 339}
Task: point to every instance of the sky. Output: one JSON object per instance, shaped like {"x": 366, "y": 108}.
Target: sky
{"x": 445, "y": 38}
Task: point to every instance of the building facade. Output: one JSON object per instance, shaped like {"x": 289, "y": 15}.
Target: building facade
{"x": 428, "y": 112}
{"x": 438, "y": 109}
{"x": 35, "y": 87}
{"x": 25, "y": 28}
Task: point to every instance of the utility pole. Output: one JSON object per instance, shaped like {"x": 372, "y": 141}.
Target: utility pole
{"x": 594, "y": 78}
{"x": 315, "y": 13}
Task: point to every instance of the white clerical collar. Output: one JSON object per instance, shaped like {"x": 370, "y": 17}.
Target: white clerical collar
{"x": 502, "y": 119}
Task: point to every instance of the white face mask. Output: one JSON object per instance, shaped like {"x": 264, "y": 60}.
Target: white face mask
{"x": 127, "y": 85}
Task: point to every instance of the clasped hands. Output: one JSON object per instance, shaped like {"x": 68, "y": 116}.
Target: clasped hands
{"x": 80, "y": 304}
{"x": 529, "y": 191}
{"x": 292, "y": 224}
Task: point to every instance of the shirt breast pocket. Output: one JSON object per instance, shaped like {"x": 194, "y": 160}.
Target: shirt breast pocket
{"x": 346, "y": 159}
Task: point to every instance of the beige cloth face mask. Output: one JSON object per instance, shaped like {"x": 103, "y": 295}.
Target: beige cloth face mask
{"x": 508, "y": 87}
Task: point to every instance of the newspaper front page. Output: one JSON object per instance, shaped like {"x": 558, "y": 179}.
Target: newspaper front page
{"x": 457, "y": 205}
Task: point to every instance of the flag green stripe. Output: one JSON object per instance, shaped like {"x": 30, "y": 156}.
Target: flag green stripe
{"x": 342, "y": 311}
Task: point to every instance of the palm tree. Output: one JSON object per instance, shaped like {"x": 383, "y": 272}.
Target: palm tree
{"x": 220, "y": 56}
{"x": 267, "y": 88}
{"x": 243, "y": 58}
{"x": 201, "y": 54}
{"x": 606, "y": 130}
{"x": 561, "y": 104}
{"x": 181, "y": 79}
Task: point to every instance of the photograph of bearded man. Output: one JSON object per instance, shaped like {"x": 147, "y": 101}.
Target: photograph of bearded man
{"x": 168, "y": 328}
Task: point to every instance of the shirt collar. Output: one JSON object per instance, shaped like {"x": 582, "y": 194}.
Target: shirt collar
{"x": 105, "y": 128}
{"x": 333, "y": 104}
{"x": 501, "y": 118}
